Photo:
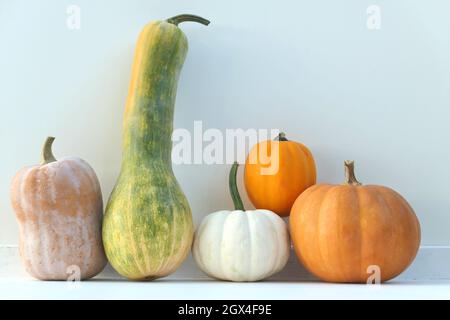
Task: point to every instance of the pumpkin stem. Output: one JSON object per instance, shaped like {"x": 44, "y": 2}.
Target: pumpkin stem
{"x": 281, "y": 137}
{"x": 238, "y": 205}
{"x": 350, "y": 178}
{"x": 187, "y": 17}
{"x": 47, "y": 154}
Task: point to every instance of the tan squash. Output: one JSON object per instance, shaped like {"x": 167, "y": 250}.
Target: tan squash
{"x": 347, "y": 233}
{"x": 59, "y": 207}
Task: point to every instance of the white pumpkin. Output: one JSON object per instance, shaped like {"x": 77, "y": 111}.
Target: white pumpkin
{"x": 241, "y": 245}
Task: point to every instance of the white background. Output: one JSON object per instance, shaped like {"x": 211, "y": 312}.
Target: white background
{"x": 310, "y": 68}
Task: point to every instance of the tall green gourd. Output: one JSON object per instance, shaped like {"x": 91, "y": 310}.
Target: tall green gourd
{"x": 147, "y": 228}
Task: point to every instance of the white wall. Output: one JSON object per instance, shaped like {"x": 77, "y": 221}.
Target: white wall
{"x": 311, "y": 68}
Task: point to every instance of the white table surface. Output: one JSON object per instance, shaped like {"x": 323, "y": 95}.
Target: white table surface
{"x": 171, "y": 289}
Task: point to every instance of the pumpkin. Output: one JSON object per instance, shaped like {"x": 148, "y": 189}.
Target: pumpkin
{"x": 148, "y": 229}
{"x": 59, "y": 208}
{"x": 241, "y": 245}
{"x": 276, "y": 172}
{"x": 341, "y": 233}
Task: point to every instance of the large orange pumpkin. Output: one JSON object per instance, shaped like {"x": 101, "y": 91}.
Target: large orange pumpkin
{"x": 276, "y": 172}
{"x": 343, "y": 233}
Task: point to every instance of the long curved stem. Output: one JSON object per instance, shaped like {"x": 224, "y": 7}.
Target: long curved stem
{"x": 187, "y": 17}
{"x": 47, "y": 154}
{"x": 237, "y": 201}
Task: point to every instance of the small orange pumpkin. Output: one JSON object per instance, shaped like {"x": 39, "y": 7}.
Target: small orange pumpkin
{"x": 276, "y": 172}
{"x": 344, "y": 233}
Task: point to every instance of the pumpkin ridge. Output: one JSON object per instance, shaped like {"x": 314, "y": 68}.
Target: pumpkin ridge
{"x": 331, "y": 196}
{"x": 195, "y": 244}
{"x": 222, "y": 241}
{"x": 42, "y": 240}
{"x": 416, "y": 220}
{"x": 312, "y": 173}
{"x": 89, "y": 172}
{"x": 275, "y": 259}
{"x": 358, "y": 191}
{"x": 201, "y": 252}
{"x": 249, "y": 217}
{"x": 319, "y": 214}
{"x": 390, "y": 236}
{"x": 37, "y": 217}
{"x": 304, "y": 165}
{"x": 27, "y": 250}
{"x": 388, "y": 193}
{"x": 347, "y": 271}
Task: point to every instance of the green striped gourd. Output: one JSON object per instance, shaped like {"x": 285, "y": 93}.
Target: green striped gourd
{"x": 148, "y": 229}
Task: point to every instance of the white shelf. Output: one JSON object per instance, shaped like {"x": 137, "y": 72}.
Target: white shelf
{"x": 427, "y": 278}
{"x": 176, "y": 289}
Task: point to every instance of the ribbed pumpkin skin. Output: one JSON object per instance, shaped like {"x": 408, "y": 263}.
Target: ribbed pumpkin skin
{"x": 59, "y": 208}
{"x": 148, "y": 229}
{"x": 339, "y": 231}
{"x": 277, "y": 192}
{"x": 241, "y": 245}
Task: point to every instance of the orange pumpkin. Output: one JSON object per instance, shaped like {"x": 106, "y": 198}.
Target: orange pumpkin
{"x": 276, "y": 172}
{"x": 344, "y": 233}
{"x": 59, "y": 208}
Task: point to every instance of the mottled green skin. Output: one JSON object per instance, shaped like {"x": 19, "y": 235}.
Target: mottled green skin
{"x": 147, "y": 228}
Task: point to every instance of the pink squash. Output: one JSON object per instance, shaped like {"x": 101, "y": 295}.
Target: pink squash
{"x": 59, "y": 208}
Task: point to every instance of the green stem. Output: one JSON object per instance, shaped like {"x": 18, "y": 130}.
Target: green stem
{"x": 187, "y": 17}
{"x": 238, "y": 205}
{"x": 281, "y": 137}
{"x": 350, "y": 177}
{"x": 47, "y": 154}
